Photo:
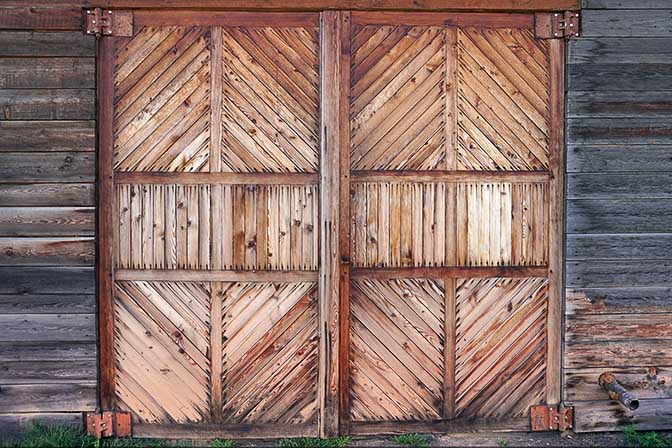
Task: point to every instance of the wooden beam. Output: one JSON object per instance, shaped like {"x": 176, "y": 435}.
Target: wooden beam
{"x": 481, "y": 20}
{"x": 105, "y": 221}
{"x": 37, "y": 18}
{"x": 329, "y": 286}
{"x": 184, "y": 178}
{"x": 218, "y": 18}
{"x": 185, "y": 275}
{"x": 449, "y": 272}
{"x": 449, "y": 388}
{"x": 556, "y": 220}
{"x": 450, "y": 176}
{"x": 216, "y": 350}
{"x": 344, "y": 228}
{"x": 318, "y": 5}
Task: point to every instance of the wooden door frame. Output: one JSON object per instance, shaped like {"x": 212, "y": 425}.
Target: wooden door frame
{"x": 335, "y": 271}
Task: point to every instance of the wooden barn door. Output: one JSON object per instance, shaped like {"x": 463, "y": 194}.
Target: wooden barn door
{"x": 318, "y": 224}
{"x": 454, "y": 230}
{"x": 215, "y": 134}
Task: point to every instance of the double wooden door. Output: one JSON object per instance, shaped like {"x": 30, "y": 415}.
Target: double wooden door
{"x": 334, "y": 221}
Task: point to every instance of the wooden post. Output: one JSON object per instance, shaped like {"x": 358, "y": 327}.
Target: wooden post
{"x": 556, "y": 228}
{"x": 344, "y": 231}
{"x": 105, "y": 187}
{"x": 330, "y": 225}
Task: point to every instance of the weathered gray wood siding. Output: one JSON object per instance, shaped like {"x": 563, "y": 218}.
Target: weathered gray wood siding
{"x": 619, "y": 212}
{"x": 47, "y": 222}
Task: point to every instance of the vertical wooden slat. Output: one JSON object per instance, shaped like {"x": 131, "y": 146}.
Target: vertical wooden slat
{"x": 250, "y": 227}
{"x": 262, "y": 227}
{"x": 344, "y": 226}
{"x": 449, "y": 350}
{"x": 124, "y": 243}
{"x": 181, "y": 221}
{"x": 105, "y": 86}
{"x": 171, "y": 227}
{"x": 226, "y": 217}
{"x": 159, "y": 226}
{"x": 406, "y": 225}
{"x": 284, "y": 247}
{"x": 193, "y": 226}
{"x": 295, "y": 228}
{"x": 216, "y": 343}
{"x": 556, "y": 222}
{"x": 204, "y": 232}
{"x": 147, "y": 227}
{"x": 329, "y": 284}
{"x": 216, "y": 193}
{"x": 238, "y": 207}
{"x": 451, "y": 97}
{"x": 372, "y": 224}
{"x": 216, "y": 73}
{"x": 136, "y": 226}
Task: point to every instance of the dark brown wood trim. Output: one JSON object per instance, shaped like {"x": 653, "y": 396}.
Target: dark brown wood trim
{"x": 442, "y": 427}
{"x": 105, "y": 185}
{"x": 220, "y": 431}
{"x": 231, "y": 18}
{"x": 450, "y": 176}
{"x": 137, "y": 177}
{"x": 330, "y": 260}
{"x": 186, "y": 275}
{"x": 556, "y": 226}
{"x": 449, "y": 272}
{"x": 481, "y": 20}
{"x": 344, "y": 229}
{"x": 37, "y": 18}
{"x": 318, "y": 5}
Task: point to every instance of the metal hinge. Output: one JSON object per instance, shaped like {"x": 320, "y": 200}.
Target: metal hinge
{"x": 108, "y": 424}
{"x": 105, "y": 22}
{"x": 551, "y": 418}
{"x": 557, "y": 25}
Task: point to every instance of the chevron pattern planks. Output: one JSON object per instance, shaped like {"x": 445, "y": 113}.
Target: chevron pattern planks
{"x": 162, "y": 350}
{"x": 270, "y": 353}
{"x": 270, "y": 108}
{"x": 396, "y": 351}
{"x": 397, "y": 98}
{"x": 503, "y": 100}
{"x": 162, "y": 101}
{"x": 500, "y": 346}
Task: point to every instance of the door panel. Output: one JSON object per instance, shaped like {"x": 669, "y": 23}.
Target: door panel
{"x": 215, "y": 240}
{"x": 450, "y": 151}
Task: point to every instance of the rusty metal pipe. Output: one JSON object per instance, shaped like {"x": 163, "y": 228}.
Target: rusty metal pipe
{"x": 617, "y": 392}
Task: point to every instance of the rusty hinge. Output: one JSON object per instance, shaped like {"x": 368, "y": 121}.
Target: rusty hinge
{"x": 105, "y": 22}
{"x": 551, "y": 418}
{"x": 108, "y": 424}
{"x": 557, "y": 25}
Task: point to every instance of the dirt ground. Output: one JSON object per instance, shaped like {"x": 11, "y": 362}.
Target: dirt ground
{"x": 514, "y": 439}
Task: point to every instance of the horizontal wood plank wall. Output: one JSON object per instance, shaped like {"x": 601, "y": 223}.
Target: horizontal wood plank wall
{"x": 47, "y": 219}
{"x": 619, "y": 204}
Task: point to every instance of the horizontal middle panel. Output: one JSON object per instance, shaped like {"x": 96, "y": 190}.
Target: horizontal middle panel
{"x": 406, "y": 224}
{"x": 263, "y": 227}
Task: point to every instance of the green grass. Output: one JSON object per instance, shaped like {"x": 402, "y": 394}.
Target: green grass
{"x": 308, "y": 442}
{"x": 645, "y": 439}
{"x": 39, "y": 436}
{"x": 503, "y": 443}
{"x": 412, "y": 440}
{"x": 222, "y": 443}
